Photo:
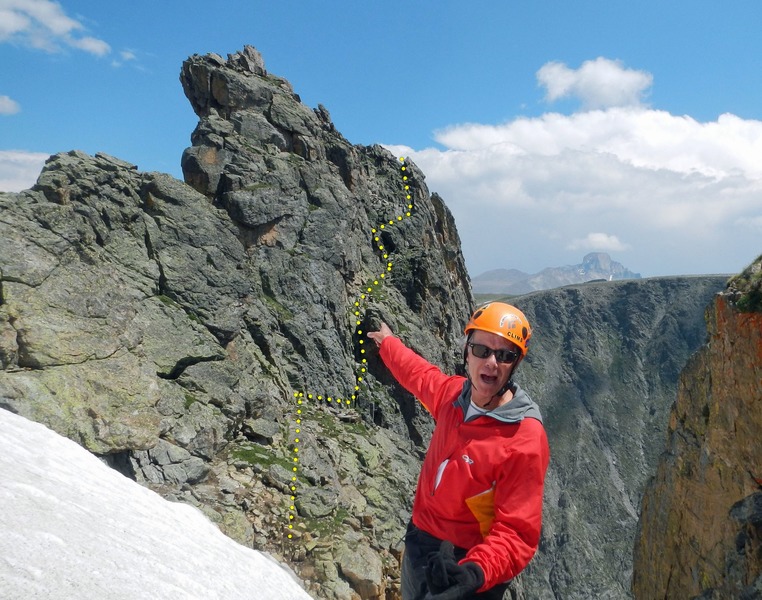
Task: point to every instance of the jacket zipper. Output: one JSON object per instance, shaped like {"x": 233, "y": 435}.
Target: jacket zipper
{"x": 443, "y": 464}
{"x": 440, "y": 472}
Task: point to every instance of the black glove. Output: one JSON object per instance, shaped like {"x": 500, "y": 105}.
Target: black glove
{"x": 447, "y": 580}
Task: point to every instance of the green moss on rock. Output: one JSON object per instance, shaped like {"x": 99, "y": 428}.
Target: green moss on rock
{"x": 745, "y": 289}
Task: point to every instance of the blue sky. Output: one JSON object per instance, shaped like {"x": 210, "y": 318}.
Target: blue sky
{"x": 551, "y": 129}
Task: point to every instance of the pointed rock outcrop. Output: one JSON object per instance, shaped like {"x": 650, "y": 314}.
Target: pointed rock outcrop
{"x": 167, "y": 326}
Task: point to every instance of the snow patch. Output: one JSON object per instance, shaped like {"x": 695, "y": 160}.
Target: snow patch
{"x": 74, "y": 528}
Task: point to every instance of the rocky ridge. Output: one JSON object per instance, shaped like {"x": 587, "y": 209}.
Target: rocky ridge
{"x": 166, "y": 326}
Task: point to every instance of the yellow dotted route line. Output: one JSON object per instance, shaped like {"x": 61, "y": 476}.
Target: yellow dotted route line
{"x": 362, "y": 367}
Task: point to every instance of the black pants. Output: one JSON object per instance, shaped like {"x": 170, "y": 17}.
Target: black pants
{"x": 418, "y": 546}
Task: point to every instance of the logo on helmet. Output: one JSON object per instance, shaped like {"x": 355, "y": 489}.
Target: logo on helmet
{"x": 512, "y": 319}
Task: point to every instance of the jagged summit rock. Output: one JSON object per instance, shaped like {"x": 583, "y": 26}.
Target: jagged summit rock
{"x": 305, "y": 200}
{"x": 594, "y": 266}
{"x": 167, "y": 325}
{"x": 244, "y": 111}
{"x": 249, "y": 60}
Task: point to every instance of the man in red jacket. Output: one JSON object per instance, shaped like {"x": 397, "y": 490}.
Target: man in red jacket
{"x": 478, "y": 505}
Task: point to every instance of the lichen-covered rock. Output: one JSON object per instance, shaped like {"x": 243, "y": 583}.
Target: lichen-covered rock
{"x": 166, "y": 326}
{"x": 362, "y": 567}
{"x": 745, "y": 289}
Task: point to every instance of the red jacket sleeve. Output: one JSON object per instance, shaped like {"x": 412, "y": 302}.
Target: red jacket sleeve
{"x": 418, "y": 376}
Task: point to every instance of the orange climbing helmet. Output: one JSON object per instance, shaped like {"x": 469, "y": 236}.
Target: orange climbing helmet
{"x": 504, "y": 320}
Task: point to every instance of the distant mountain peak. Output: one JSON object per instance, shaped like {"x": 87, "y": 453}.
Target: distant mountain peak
{"x": 595, "y": 265}
{"x": 599, "y": 261}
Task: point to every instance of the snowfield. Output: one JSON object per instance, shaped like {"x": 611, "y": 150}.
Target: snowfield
{"x": 71, "y": 527}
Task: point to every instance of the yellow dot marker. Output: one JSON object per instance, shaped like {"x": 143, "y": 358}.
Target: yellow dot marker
{"x": 357, "y": 313}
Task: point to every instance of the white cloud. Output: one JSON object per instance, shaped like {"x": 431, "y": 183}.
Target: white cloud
{"x": 600, "y": 242}
{"x": 125, "y": 56}
{"x": 11, "y": 22}
{"x": 19, "y": 169}
{"x": 599, "y": 83}
{"x": 8, "y": 106}
{"x": 672, "y": 194}
{"x": 91, "y": 45}
{"x": 645, "y": 138}
{"x": 43, "y": 24}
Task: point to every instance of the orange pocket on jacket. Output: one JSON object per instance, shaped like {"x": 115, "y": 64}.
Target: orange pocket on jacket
{"x": 482, "y": 506}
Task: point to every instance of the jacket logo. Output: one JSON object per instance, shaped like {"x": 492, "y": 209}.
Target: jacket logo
{"x": 468, "y": 459}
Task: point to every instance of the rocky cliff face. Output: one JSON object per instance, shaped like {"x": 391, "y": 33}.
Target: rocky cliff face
{"x": 700, "y": 533}
{"x": 192, "y": 333}
{"x": 603, "y": 365}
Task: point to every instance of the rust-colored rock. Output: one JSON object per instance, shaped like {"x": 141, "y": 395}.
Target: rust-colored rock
{"x": 701, "y": 517}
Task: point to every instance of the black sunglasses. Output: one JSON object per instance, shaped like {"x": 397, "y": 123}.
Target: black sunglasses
{"x": 502, "y": 356}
